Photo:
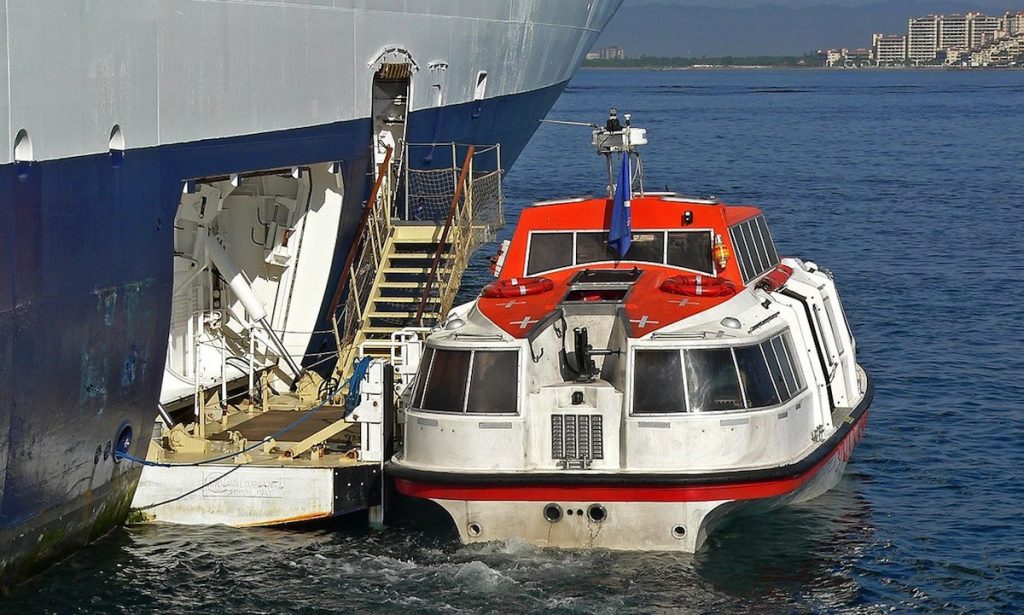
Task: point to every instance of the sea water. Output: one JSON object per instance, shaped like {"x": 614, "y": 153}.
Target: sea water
{"x": 909, "y": 186}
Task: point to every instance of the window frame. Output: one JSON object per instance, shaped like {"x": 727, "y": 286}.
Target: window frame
{"x": 755, "y": 252}
{"x": 632, "y": 383}
{"x": 575, "y": 263}
{"x": 789, "y": 369}
{"x": 417, "y": 403}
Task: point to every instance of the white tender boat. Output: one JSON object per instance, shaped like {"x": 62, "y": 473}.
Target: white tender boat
{"x": 595, "y": 396}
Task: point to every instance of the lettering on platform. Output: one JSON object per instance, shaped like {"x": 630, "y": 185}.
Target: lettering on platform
{"x": 221, "y": 485}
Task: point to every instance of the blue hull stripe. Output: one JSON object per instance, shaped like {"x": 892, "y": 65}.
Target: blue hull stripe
{"x": 85, "y": 293}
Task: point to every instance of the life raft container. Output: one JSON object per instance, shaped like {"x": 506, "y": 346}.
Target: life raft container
{"x": 698, "y": 286}
{"x": 517, "y": 287}
{"x": 776, "y": 278}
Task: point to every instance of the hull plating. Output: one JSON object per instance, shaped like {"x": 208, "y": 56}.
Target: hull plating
{"x": 85, "y": 301}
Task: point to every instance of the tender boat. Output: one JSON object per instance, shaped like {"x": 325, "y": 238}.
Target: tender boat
{"x": 632, "y": 390}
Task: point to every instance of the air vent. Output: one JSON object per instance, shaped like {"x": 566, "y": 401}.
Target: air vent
{"x": 577, "y": 436}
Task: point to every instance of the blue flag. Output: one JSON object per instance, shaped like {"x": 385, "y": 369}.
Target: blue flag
{"x": 620, "y": 230}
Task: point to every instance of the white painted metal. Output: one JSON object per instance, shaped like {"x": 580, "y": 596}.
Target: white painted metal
{"x": 266, "y": 237}
{"x": 173, "y": 71}
{"x": 679, "y": 443}
{"x": 242, "y": 495}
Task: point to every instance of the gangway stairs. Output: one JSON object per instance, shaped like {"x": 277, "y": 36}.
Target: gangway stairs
{"x": 310, "y": 453}
{"x": 409, "y": 268}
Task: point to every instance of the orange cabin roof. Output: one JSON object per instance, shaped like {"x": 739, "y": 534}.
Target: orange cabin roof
{"x": 648, "y": 308}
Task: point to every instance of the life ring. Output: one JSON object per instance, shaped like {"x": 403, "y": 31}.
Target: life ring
{"x": 698, "y": 286}
{"x": 517, "y": 287}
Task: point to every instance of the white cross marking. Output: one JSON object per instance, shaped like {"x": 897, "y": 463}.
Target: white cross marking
{"x": 511, "y": 304}
{"x": 683, "y": 302}
{"x": 644, "y": 321}
{"x": 525, "y": 322}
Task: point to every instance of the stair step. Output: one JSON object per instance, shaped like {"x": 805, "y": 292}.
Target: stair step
{"x": 425, "y": 269}
{"x": 401, "y": 262}
{"x": 396, "y": 315}
{"x": 413, "y": 247}
{"x": 429, "y": 254}
{"x": 413, "y": 299}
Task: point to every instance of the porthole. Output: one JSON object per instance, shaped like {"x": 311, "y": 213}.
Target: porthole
{"x": 474, "y": 529}
{"x": 597, "y": 513}
{"x": 553, "y": 513}
{"x": 123, "y": 443}
{"x": 679, "y": 532}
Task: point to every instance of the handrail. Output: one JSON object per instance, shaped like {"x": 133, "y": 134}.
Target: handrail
{"x": 444, "y": 234}
{"x": 356, "y": 239}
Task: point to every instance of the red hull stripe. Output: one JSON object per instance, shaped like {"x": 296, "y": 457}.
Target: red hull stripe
{"x": 627, "y": 493}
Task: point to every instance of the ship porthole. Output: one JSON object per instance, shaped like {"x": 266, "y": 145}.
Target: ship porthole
{"x": 597, "y": 513}
{"x": 553, "y": 513}
{"x": 123, "y": 442}
{"x": 474, "y": 529}
{"x": 679, "y": 532}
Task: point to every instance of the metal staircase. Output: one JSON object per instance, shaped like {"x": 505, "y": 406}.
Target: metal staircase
{"x": 405, "y": 273}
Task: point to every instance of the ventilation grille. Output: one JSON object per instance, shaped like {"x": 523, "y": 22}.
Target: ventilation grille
{"x": 577, "y": 436}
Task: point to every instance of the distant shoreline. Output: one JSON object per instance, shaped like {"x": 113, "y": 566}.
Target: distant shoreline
{"x": 726, "y": 67}
{"x": 805, "y": 62}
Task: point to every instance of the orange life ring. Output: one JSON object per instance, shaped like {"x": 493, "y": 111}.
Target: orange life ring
{"x": 698, "y": 286}
{"x": 517, "y": 287}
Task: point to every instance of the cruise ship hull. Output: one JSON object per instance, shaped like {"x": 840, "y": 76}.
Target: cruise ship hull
{"x": 86, "y": 300}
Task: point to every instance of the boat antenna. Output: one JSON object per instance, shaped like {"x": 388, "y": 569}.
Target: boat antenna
{"x": 614, "y": 138}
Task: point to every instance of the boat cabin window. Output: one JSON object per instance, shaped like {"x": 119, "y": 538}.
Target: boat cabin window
{"x": 827, "y": 301}
{"x": 712, "y": 382}
{"x": 716, "y": 379}
{"x": 658, "y": 382}
{"x": 754, "y": 248}
{"x": 445, "y": 389}
{"x": 493, "y": 386}
{"x": 686, "y": 249}
{"x": 549, "y": 251}
{"x": 784, "y": 370}
{"x": 690, "y": 250}
{"x": 492, "y": 378}
{"x": 758, "y": 387}
{"x": 645, "y": 247}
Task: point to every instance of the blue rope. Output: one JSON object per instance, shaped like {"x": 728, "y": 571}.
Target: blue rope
{"x": 358, "y": 374}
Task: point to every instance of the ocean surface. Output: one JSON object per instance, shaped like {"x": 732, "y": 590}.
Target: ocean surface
{"x": 909, "y": 185}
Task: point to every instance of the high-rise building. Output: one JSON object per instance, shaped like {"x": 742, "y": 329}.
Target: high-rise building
{"x": 923, "y": 38}
{"x": 888, "y": 49}
{"x": 613, "y": 53}
{"x": 1014, "y": 23}
{"x": 982, "y": 29}
{"x": 953, "y": 33}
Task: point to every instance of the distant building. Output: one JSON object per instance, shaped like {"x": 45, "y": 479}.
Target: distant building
{"x": 1014, "y": 23}
{"x": 983, "y": 29}
{"x": 593, "y": 55}
{"x": 923, "y": 38}
{"x": 848, "y": 58}
{"x": 889, "y": 49}
{"x": 953, "y": 32}
{"x": 612, "y": 53}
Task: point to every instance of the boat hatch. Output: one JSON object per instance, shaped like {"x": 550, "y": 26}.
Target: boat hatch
{"x": 602, "y": 284}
